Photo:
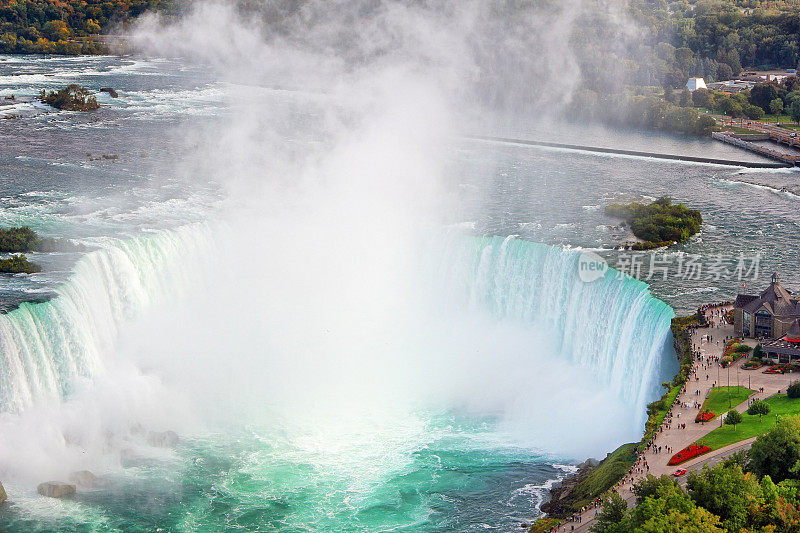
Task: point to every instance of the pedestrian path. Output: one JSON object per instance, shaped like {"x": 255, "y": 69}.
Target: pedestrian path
{"x": 679, "y": 428}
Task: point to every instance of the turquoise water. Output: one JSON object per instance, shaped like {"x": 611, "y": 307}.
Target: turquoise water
{"x": 430, "y": 474}
{"x": 462, "y": 461}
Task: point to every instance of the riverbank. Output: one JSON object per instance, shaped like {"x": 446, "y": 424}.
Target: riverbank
{"x": 582, "y": 490}
{"x": 705, "y": 379}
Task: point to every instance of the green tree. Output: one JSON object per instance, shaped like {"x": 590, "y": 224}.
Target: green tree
{"x": 731, "y": 107}
{"x": 672, "y": 511}
{"x": 790, "y": 98}
{"x": 757, "y": 352}
{"x": 612, "y": 519}
{"x": 650, "y": 486}
{"x": 705, "y": 125}
{"x": 724, "y": 72}
{"x": 703, "y": 98}
{"x": 777, "y": 452}
{"x": 794, "y": 111}
{"x": 793, "y": 391}
{"x": 732, "y": 418}
{"x": 56, "y": 30}
{"x": 753, "y": 112}
{"x": 728, "y": 492}
{"x": 760, "y": 408}
{"x": 762, "y": 94}
{"x": 776, "y": 106}
{"x": 685, "y": 97}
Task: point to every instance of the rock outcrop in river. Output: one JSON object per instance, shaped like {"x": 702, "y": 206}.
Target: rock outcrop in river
{"x": 55, "y": 489}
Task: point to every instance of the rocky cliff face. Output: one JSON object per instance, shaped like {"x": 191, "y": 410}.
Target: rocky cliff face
{"x": 560, "y": 503}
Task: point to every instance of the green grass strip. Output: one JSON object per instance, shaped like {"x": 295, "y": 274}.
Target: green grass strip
{"x": 780, "y": 405}
{"x": 719, "y": 402}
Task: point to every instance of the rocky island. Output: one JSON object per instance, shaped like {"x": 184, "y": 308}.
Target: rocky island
{"x": 73, "y": 97}
{"x": 658, "y": 224}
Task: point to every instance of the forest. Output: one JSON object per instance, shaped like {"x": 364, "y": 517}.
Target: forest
{"x": 675, "y": 39}
{"x": 639, "y": 80}
{"x": 67, "y": 27}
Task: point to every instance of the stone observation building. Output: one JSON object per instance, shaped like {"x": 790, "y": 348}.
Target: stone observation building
{"x": 786, "y": 349}
{"x": 769, "y": 315}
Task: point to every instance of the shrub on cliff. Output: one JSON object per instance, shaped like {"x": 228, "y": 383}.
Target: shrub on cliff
{"x": 71, "y": 98}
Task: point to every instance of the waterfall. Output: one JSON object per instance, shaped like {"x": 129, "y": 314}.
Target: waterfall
{"x": 45, "y": 347}
{"x": 613, "y": 326}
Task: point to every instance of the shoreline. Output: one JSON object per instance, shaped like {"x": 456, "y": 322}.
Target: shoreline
{"x": 616, "y": 464}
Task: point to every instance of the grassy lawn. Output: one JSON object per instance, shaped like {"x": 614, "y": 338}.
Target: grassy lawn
{"x": 750, "y": 427}
{"x": 717, "y": 401}
{"x": 776, "y": 118}
{"x": 669, "y": 399}
{"x": 736, "y": 129}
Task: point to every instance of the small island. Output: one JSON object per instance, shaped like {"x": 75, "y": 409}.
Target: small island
{"x": 24, "y": 239}
{"x": 18, "y": 264}
{"x": 71, "y": 98}
{"x": 658, "y": 224}
{"x": 18, "y": 241}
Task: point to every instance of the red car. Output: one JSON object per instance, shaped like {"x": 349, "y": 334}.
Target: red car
{"x": 680, "y": 472}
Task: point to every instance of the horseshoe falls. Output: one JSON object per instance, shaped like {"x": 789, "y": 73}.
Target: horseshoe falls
{"x": 613, "y": 326}
{"x": 46, "y": 347}
{"x": 522, "y": 354}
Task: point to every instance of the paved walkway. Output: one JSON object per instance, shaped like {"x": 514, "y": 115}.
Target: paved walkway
{"x": 710, "y": 342}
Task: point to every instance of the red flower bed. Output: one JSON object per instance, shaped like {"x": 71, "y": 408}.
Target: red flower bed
{"x": 705, "y": 416}
{"x": 690, "y": 452}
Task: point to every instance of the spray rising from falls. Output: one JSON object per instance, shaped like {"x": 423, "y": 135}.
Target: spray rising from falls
{"x": 612, "y": 326}
{"x": 604, "y": 341}
{"x": 46, "y": 347}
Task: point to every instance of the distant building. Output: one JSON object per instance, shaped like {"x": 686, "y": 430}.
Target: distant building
{"x": 695, "y": 83}
{"x": 732, "y": 86}
{"x": 786, "y": 349}
{"x": 768, "y": 315}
